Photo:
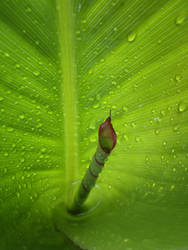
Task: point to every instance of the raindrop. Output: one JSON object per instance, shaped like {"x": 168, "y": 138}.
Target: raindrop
{"x": 43, "y": 150}
{"x": 36, "y": 73}
{"x": 137, "y": 139}
{"x": 163, "y": 113}
{"x": 176, "y": 128}
{"x": 132, "y": 37}
{"x": 10, "y": 129}
{"x": 177, "y": 78}
{"x": 157, "y": 131}
{"x": 180, "y": 19}
{"x": 133, "y": 125}
{"x": 164, "y": 143}
{"x": 7, "y": 54}
{"x": 17, "y": 66}
{"x": 28, "y": 10}
{"x": 92, "y": 139}
{"x": 125, "y": 109}
{"x": 125, "y": 137}
{"x": 21, "y": 117}
{"x": 96, "y": 106}
{"x": 114, "y": 83}
{"x": 172, "y": 187}
{"x": 182, "y": 107}
{"x": 83, "y": 21}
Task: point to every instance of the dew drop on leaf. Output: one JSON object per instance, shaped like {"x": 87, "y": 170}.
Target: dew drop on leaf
{"x": 1, "y": 98}
{"x": 177, "y": 78}
{"x": 21, "y": 117}
{"x": 43, "y": 150}
{"x": 125, "y": 137}
{"x": 28, "y": 10}
{"x": 17, "y": 66}
{"x": 10, "y": 129}
{"x": 7, "y": 54}
{"x": 180, "y": 19}
{"x": 132, "y": 37}
{"x": 182, "y": 107}
{"x": 114, "y": 83}
{"x": 164, "y": 143}
{"x": 137, "y": 139}
{"x": 157, "y": 131}
{"x": 36, "y": 73}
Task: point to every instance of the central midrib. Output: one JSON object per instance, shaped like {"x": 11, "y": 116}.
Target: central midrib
{"x": 66, "y": 39}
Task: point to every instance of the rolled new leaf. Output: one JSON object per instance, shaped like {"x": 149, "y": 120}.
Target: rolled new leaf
{"x": 106, "y": 142}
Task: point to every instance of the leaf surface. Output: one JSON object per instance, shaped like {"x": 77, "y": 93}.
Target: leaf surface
{"x": 63, "y": 66}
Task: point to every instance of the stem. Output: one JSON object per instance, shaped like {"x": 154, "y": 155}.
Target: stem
{"x": 89, "y": 179}
{"x": 107, "y": 141}
{"x": 66, "y": 38}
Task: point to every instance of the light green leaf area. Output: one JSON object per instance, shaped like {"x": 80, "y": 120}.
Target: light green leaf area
{"x": 62, "y": 68}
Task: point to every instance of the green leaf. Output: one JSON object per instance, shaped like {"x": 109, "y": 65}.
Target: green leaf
{"x": 63, "y": 66}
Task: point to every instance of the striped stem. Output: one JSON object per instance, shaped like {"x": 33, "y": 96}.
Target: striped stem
{"x": 106, "y": 142}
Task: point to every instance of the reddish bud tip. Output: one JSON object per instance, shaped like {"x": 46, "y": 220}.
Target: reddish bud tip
{"x": 107, "y": 136}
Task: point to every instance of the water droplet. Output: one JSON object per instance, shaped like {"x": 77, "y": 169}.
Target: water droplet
{"x": 21, "y": 117}
{"x": 126, "y": 137}
{"x": 114, "y": 83}
{"x": 7, "y": 54}
{"x": 1, "y": 98}
{"x": 92, "y": 139}
{"x": 10, "y": 129}
{"x": 133, "y": 125}
{"x": 137, "y": 139}
{"x": 157, "y": 131}
{"x": 125, "y": 108}
{"x": 172, "y": 187}
{"x": 163, "y": 113}
{"x": 180, "y": 19}
{"x": 182, "y": 107}
{"x": 115, "y": 29}
{"x": 164, "y": 143}
{"x": 36, "y": 73}
{"x": 132, "y": 37}
{"x": 28, "y": 10}
{"x": 83, "y": 21}
{"x": 178, "y": 78}
{"x": 43, "y": 150}
{"x": 96, "y": 106}
{"x": 5, "y": 154}
{"x": 17, "y": 66}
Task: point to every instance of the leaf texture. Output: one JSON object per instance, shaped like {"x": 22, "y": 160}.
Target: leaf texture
{"x": 127, "y": 56}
